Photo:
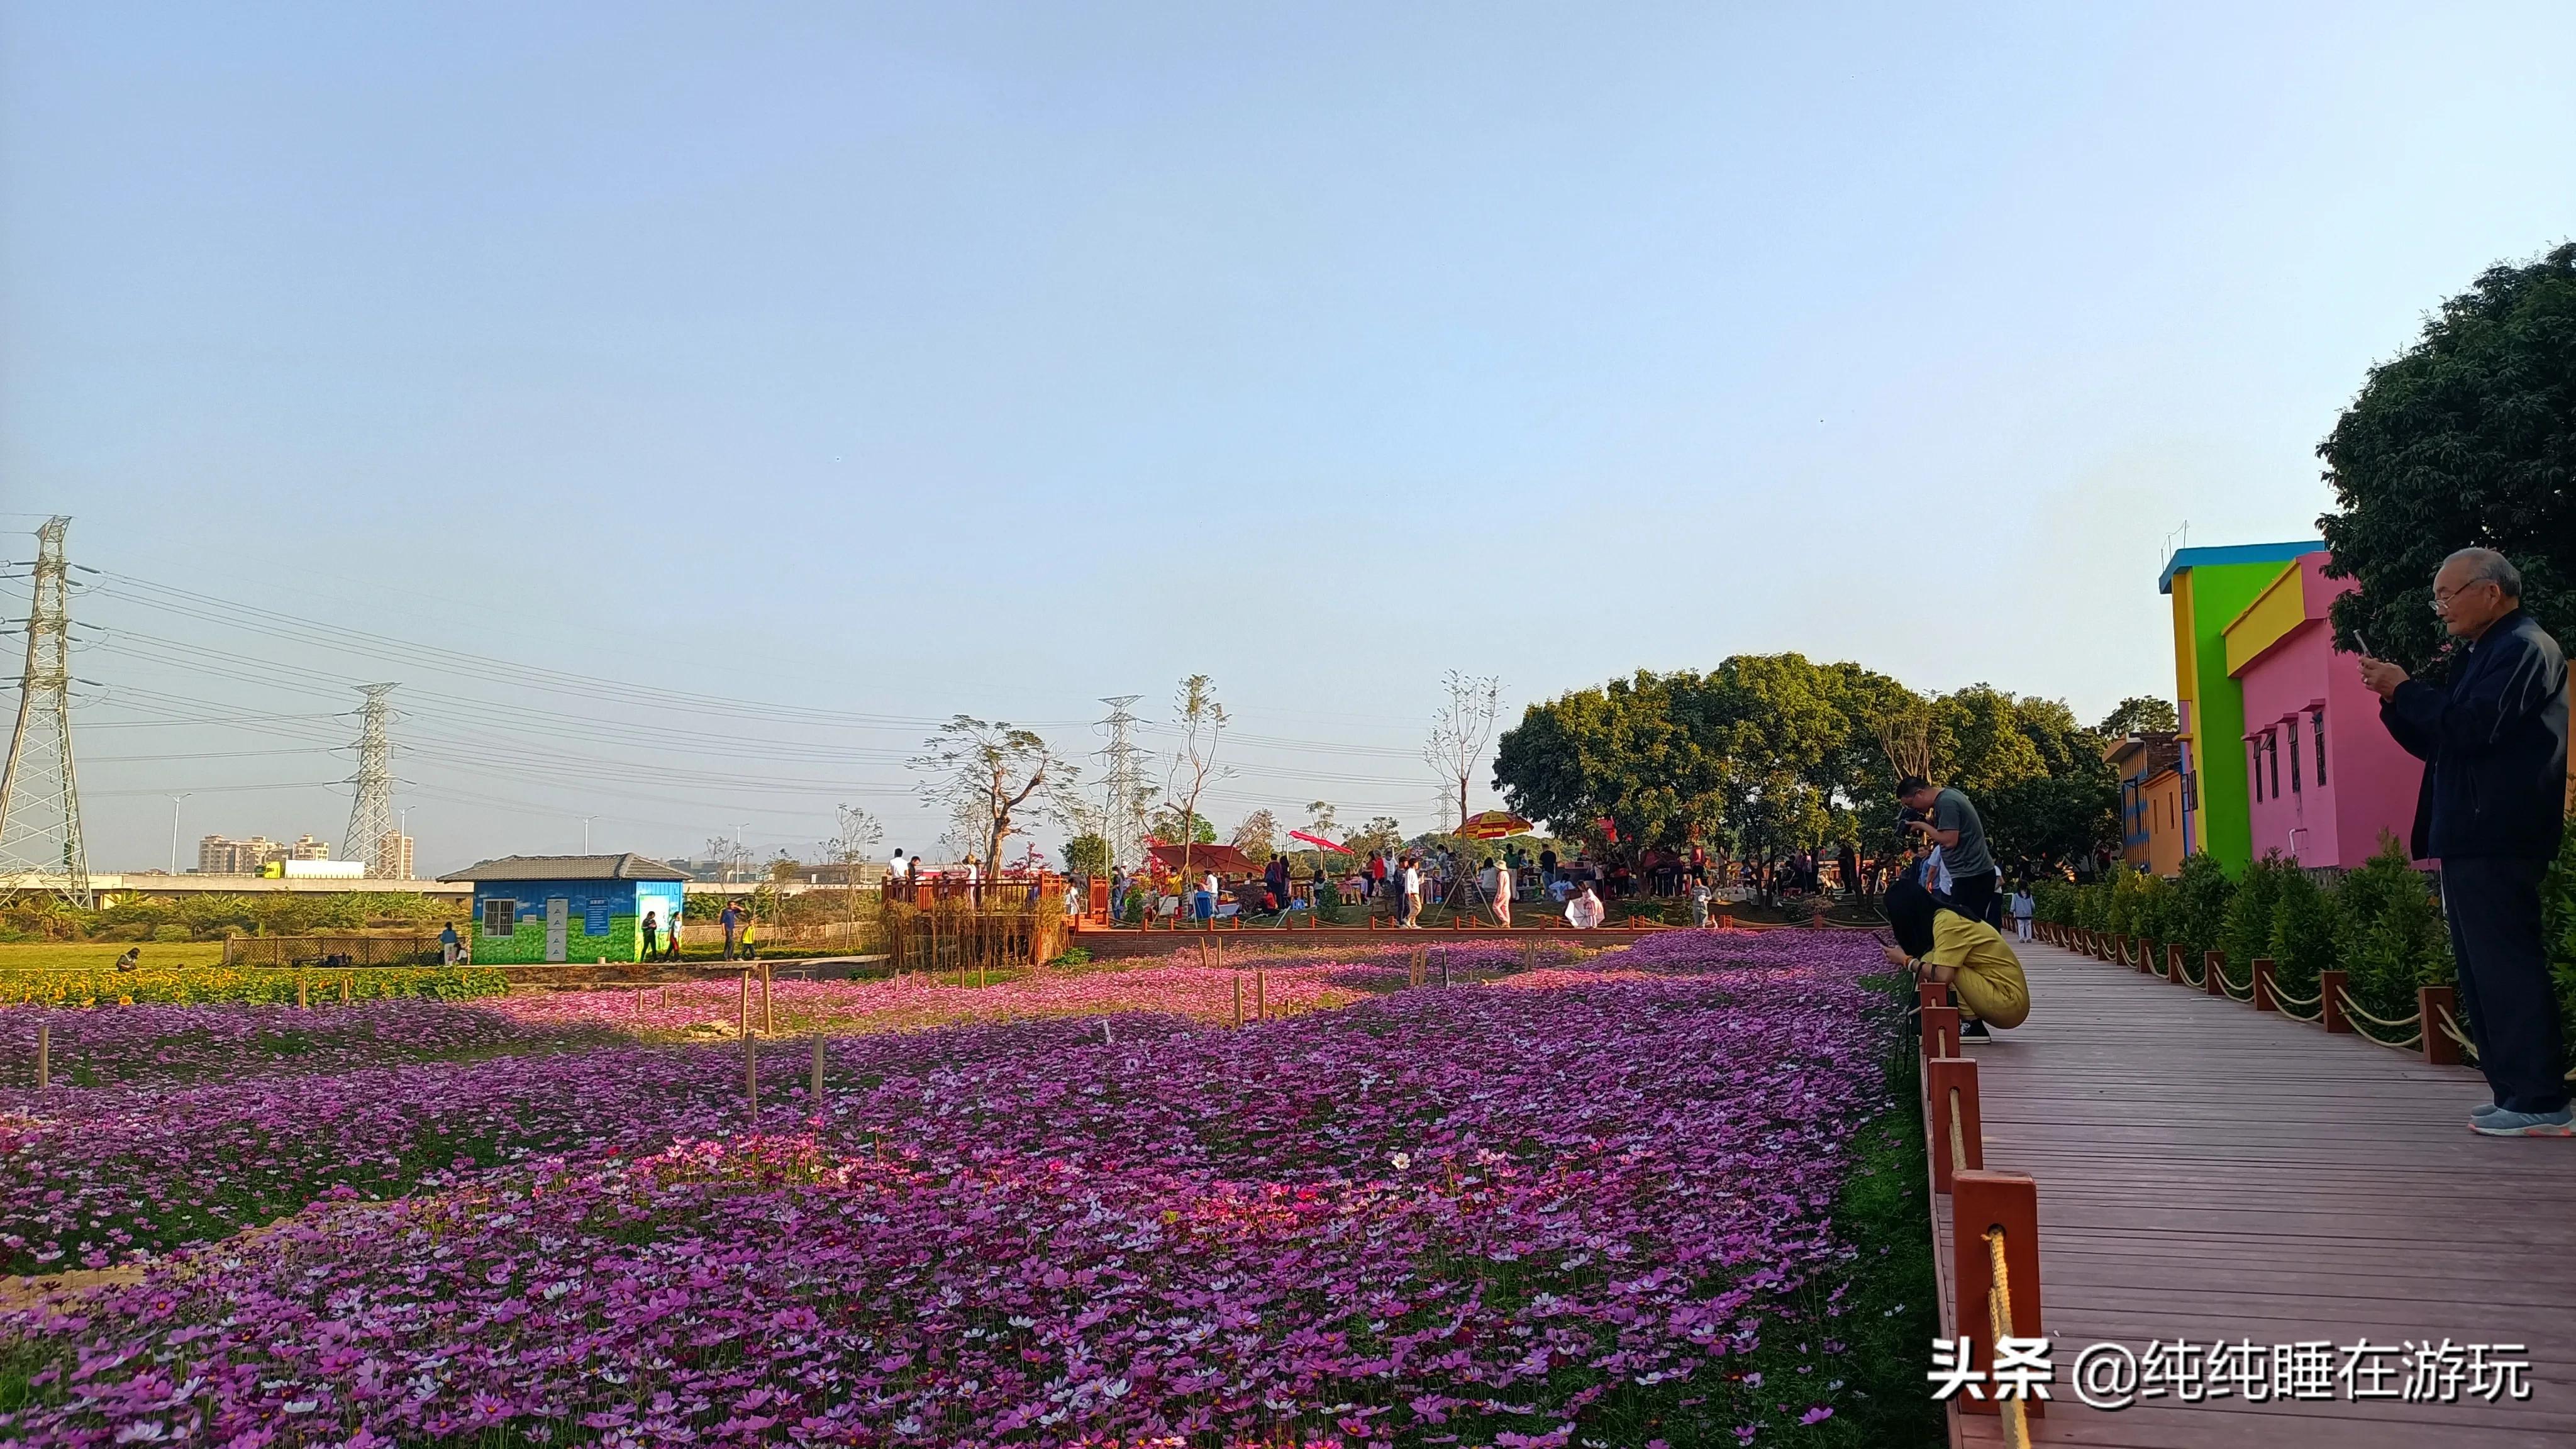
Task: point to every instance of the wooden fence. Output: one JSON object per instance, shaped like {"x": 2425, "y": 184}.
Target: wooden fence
{"x": 352, "y": 949}
{"x": 995, "y": 925}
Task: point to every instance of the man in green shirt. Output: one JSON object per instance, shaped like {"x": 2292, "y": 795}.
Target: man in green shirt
{"x": 1944, "y": 818}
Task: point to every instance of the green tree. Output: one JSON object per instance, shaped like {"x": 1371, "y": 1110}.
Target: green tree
{"x": 1086, "y": 856}
{"x": 2467, "y": 438}
{"x": 2137, "y": 715}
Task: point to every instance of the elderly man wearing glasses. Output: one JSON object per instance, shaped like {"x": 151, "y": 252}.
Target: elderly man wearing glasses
{"x": 2491, "y": 807}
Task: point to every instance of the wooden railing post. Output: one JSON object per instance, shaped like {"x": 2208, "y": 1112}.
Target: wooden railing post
{"x": 1929, "y": 994}
{"x": 1981, "y": 1201}
{"x": 2263, "y": 984}
{"x": 2330, "y": 1004}
{"x": 1958, "y": 1140}
{"x": 1940, "y": 1031}
{"x": 2213, "y": 972}
{"x": 2173, "y": 963}
{"x": 2436, "y": 1002}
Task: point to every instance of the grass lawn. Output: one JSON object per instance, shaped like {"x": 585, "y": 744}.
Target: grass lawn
{"x": 99, "y": 955}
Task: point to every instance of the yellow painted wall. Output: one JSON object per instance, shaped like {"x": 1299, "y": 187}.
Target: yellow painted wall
{"x": 2275, "y": 612}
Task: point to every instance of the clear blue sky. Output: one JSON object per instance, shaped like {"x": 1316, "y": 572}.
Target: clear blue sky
{"x": 902, "y": 361}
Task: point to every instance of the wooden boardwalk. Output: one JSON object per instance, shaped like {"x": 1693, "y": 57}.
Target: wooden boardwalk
{"x": 2209, "y": 1172}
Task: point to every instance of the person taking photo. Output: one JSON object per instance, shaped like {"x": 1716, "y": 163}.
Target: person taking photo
{"x": 1943, "y": 818}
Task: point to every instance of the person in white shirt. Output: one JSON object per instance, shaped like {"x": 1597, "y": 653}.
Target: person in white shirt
{"x": 2023, "y": 908}
{"x": 1412, "y": 894}
{"x": 1584, "y": 912}
{"x": 1500, "y": 888}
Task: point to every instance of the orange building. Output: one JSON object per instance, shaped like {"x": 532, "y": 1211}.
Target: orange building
{"x": 2149, "y": 767}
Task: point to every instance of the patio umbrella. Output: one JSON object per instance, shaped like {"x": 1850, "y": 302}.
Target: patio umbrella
{"x": 1493, "y": 825}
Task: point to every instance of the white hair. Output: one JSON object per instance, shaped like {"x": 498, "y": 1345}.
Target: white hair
{"x": 2486, "y": 563}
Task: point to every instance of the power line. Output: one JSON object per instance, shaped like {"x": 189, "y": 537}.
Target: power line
{"x": 371, "y": 811}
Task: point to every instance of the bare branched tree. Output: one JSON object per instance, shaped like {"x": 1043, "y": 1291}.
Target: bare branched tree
{"x": 1201, "y": 721}
{"x": 1905, "y": 733}
{"x": 992, "y": 777}
{"x": 1462, "y": 729}
{"x": 856, "y": 841}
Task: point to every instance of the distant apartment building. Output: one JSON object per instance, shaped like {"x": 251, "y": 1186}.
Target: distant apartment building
{"x": 217, "y": 855}
{"x": 308, "y": 848}
{"x": 391, "y": 859}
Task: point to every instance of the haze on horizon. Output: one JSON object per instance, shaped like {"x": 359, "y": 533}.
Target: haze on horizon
{"x": 813, "y": 373}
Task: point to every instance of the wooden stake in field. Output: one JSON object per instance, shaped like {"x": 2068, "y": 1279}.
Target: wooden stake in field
{"x": 300, "y": 1003}
{"x": 814, "y": 1093}
{"x": 666, "y": 997}
{"x": 751, "y": 1074}
{"x": 768, "y": 1019}
{"x": 745, "y": 1024}
{"x": 44, "y": 1055}
{"x": 1238, "y": 1003}
{"x": 1260, "y": 997}
{"x": 344, "y": 990}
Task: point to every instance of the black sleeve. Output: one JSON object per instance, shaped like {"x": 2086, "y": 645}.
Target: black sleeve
{"x": 2507, "y": 691}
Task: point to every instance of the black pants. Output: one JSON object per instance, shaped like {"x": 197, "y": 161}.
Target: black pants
{"x": 2494, "y": 907}
{"x": 1974, "y": 896}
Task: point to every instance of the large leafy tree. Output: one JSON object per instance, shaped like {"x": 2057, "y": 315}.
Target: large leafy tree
{"x": 1777, "y": 753}
{"x": 2467, "y": 438}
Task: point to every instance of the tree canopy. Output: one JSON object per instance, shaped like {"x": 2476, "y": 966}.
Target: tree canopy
{"x": 2466, "y": 439}
{"x": 1771, "y": 753}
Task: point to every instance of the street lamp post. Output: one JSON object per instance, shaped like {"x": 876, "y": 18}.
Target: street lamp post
{"x": 174, "y": 828}
{"x": 585, "y": 833}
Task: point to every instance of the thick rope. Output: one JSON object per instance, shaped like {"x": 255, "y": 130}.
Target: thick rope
{"x": 2197, "y": 980}
{"x": 2353, "y": 1008}
{"x": 2283, "y": 998}
{"x": 2301, "y": 1015}
{"x": 2451, "y": 1029}
{"x": 1958, "y": 1136}
{"x": 1999, "y": 1320}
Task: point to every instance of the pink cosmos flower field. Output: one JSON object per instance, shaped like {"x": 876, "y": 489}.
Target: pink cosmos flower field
{"x": 1563, "y": 1207}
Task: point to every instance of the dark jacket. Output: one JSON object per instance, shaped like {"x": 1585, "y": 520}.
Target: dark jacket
{"x": 2495, "y": 746}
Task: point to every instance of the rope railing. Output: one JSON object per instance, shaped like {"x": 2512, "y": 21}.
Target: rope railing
{"x": 2283, "y": 998}
{"x": 2197, "y": 980}
{"x": 2468, "y": 1048}
{"x": 1999, "y": 1313}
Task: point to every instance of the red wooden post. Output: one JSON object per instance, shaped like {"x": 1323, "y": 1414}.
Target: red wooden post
{"x": 2263, "y": 984}
{"x": 2173, "y": 963}
{"x": 1928, "y": 994}
{"x": 1099, "y": 906}
{"x": 2437, "y": 1003}
{"x": 2330, "y": 1004}
{"x": 1951, "y": 1085}
{"x": 1980, "y": 1201}
{"x": 2213, "y": 972}
{"x": 1940, "y": 1031}
{"x": 2146, "y": 957}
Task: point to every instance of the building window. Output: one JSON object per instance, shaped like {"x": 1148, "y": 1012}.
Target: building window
{"x": 2272, "y": 746}
{"x": 2292, "y": 728}
{"x": 2258, "y": 770}
{"x": 499, "y": 917}
{"x": 2317, "y": 731}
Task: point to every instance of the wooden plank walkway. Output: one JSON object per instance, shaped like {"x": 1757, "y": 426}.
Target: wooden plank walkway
{"x": 2209, "y": 1172}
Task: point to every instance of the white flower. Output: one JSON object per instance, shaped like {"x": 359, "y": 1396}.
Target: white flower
{"x": 1402, "y": 1160}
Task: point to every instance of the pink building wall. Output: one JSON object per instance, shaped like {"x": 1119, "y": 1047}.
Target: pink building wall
{"x": 2369, "y": 783}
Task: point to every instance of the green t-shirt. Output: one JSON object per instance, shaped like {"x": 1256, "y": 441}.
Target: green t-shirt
{"x": 1951, "y": 811}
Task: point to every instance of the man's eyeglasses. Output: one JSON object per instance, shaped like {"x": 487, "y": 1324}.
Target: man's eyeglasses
{"x": 2442, "y": 600}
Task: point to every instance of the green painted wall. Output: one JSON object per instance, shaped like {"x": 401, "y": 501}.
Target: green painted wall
{"x": 2219, "y": 592}
{"x": 526, "y": 943}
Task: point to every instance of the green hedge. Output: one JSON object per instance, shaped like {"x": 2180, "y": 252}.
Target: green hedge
{"x": 272, "y": 985}
{"x": 2380, "y": 923}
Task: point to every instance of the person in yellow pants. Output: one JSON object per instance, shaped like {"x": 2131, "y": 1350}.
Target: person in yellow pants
{"x": 1938, "y": 943}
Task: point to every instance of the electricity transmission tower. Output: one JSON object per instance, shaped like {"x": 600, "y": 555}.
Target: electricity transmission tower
{"x": 40, "y": 824}
{"x": 1123, "y": 789}
{"x": 371, "y": 814}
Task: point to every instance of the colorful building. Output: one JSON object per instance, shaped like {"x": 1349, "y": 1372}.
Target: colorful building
{"x": 2323, "y": 780}
{"x": 2210, "y": 587}
{"x": 531, "y": 908}
{"x": 2149, "y": 767}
